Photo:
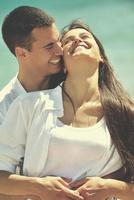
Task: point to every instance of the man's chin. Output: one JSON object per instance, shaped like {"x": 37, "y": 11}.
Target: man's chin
{"x": 56, "y": 69}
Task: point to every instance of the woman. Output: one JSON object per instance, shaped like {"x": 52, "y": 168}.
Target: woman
{"x": 115, "y": 105}
{"x": 89, "y": 115}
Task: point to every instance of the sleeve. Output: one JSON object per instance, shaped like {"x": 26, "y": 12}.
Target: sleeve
{"x": 12, "y": 137}
{"x": 1, "y": 118}
{"x": 3, "y": 111}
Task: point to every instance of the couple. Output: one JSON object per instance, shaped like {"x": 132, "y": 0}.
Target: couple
{"x": 76, "y": 139}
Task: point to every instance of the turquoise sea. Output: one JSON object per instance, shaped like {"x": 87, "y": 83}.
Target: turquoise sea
{"x": 111, "y": 20}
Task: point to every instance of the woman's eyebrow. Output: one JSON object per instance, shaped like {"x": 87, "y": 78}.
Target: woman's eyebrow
{"x": 73, "y": 36}
{"x": 86, "y": 33}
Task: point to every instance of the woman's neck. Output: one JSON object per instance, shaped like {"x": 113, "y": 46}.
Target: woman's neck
{"x": 82, "y": 88}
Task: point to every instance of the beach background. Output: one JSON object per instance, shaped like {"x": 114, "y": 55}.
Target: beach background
{"x": 111, "y": 20}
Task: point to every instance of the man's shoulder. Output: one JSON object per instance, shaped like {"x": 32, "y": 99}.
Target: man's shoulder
{"x": 39, "y": 95}
{"x": 7, "y": 96}
{"x": 8, "y": 91}
{"x": 35, "y": 99}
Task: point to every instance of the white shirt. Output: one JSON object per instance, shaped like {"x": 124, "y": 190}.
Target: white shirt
{"x": 27, "y": 132}
{"x": 8, "y": 94}
{"x": 79, "y": 152}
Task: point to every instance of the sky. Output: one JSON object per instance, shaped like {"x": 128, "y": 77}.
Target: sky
{"x": 112, "y": 21}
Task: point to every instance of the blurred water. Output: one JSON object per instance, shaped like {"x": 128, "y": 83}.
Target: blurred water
{"x": 111, "y": 20}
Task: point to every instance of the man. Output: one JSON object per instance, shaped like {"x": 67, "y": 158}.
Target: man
{"x": 31, "y": 35}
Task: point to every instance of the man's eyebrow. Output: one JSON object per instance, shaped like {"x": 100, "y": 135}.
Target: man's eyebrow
{"x": 51, "y": 43}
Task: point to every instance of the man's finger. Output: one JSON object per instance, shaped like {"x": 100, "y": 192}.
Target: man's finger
{"x": 78, "y": 183}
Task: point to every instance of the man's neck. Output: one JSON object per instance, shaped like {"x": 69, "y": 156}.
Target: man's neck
{"x": 33, "y": 84}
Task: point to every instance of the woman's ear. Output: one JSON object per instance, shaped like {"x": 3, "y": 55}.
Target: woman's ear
{"x": 101, "y": 60}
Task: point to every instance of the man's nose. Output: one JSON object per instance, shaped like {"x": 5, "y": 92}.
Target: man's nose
{"x": 58, "y": 49}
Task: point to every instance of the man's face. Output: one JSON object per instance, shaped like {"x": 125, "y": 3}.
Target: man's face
{"x": 44, "y": 58}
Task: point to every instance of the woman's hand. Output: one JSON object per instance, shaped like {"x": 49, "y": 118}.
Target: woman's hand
{"x": 93, "y": 188}
{"x": 55, "y": 188}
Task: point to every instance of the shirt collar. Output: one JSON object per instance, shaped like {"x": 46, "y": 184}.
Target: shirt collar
{"x": 53, "y": 97}
{"x": 53, "y": 100}
{"x": 18, "y": 87}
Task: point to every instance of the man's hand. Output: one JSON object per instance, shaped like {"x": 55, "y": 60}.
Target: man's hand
{"x": 93, "y": 188}
{"x": 55, "y": 188}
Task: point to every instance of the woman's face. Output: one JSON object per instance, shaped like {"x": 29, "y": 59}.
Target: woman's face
{"x": 79, "y": 45}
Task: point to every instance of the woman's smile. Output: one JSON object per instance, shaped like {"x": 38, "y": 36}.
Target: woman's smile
{"x": 77, "y": 46}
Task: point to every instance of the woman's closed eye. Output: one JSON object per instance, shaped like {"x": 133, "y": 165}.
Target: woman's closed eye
{"x": 66, "y": 42}
{"x": 85, "y": 37}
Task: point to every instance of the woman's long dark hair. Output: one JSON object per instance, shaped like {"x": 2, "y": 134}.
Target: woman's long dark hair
{"x": 118, "y": 108}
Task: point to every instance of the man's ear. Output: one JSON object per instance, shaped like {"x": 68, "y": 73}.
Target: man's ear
{"x": 20, "y": 52}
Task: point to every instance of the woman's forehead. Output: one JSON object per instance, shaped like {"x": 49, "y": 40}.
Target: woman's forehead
{"x": 75, "y": 32}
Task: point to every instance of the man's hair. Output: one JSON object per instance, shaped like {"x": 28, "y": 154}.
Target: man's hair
{"x": 19, "y": 23}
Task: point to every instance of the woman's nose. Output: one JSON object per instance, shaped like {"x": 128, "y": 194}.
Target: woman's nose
{"x": 77, "y": 40}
